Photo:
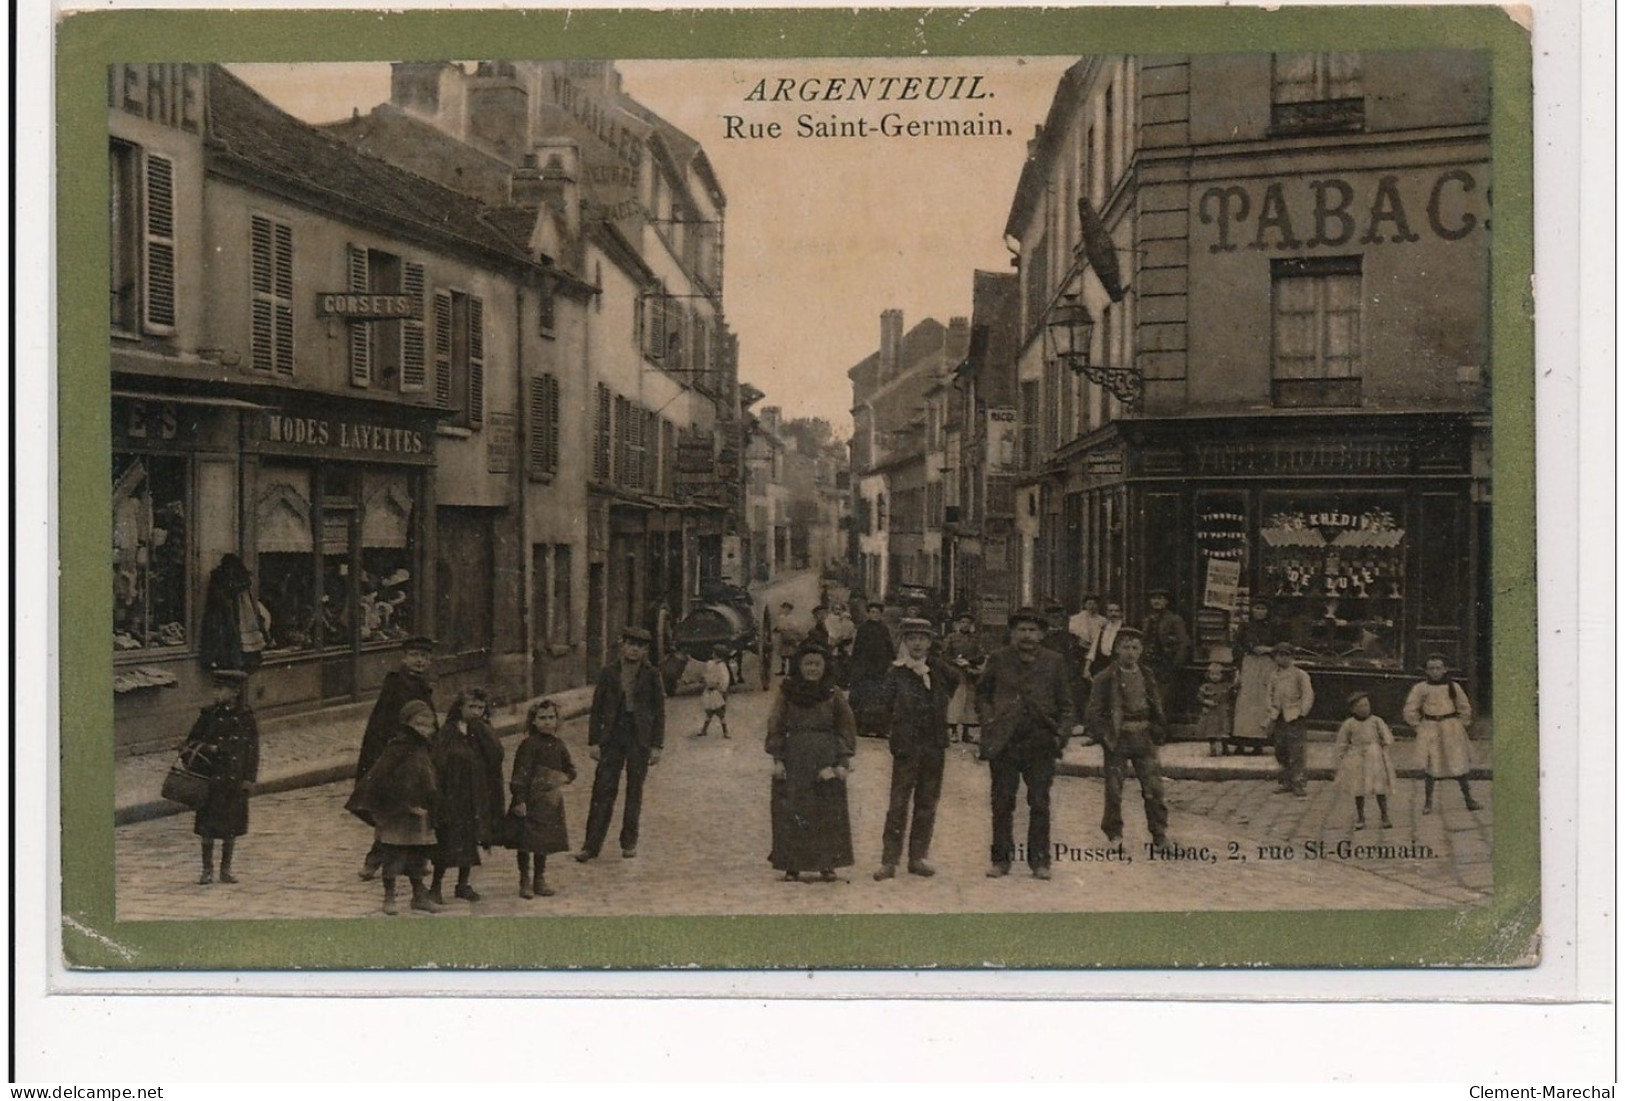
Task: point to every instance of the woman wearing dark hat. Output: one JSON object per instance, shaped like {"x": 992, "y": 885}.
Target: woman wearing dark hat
{"x": 811, "y": 736}
{"x": 228, "y": 738}
{"x": 872, "y": 654}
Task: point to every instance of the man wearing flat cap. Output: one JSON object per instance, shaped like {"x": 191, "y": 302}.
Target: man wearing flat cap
{"x": 1126, "y": 717}
{"x": 1025, "y": 700}
{"x": 626, "y": 731}
{"x": 917, "y": 689}
{"x": 412, "y": 681}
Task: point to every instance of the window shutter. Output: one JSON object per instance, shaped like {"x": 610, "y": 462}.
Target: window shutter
{"x": 160, "y": 244}
{"x": 537, "y": 446}
{"x": 282, "y": 285}
{"x": 476, "y": 361}
{"x": 360, "y": 331}
{"x": 555, "y": 421}
{"x": 414, "y": 367}
{"x": 442, "y": 349}
{"x": 262, "y": 334}
{"x": 601, "y": 436}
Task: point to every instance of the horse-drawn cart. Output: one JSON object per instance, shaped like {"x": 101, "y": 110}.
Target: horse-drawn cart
{"x": 728, "y": 619}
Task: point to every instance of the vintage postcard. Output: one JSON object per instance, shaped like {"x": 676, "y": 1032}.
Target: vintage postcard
{"x": 760, "y": 489}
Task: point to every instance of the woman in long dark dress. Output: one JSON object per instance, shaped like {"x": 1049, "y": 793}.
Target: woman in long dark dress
{"x": 468, "y": 771}
{"x": 811, "y": 737}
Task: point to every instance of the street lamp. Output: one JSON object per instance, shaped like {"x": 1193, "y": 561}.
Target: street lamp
{"x": 1068, "y": 332}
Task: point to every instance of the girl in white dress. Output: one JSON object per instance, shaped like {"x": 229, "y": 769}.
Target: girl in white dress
{"x": 1437, "y": 709}
{"x": 1363, "y": 761}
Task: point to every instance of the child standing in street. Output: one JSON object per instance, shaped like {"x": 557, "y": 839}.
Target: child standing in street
{"x": 399, "y": 793}
{"x": 541, "y": 768}
{"x": 1213, "y": 697}
{"x": 226, "y": 735}
{"x": 1363, "y": 762}
{"x": 715, "y": 698}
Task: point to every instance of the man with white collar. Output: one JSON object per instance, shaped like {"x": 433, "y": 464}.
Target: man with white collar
{"x": 917, "y": 689}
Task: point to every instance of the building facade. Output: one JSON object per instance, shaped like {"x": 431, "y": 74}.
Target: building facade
{"x": 1291, "y": 254}
{"x": 638, "y": 218}
{"x": 315, "y": 365}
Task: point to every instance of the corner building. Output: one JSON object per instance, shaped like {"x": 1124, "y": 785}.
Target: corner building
{"x": 1301, "y": 245}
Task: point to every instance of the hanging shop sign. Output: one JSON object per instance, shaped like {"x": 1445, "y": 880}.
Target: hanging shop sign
{"x": 369, "y": 307}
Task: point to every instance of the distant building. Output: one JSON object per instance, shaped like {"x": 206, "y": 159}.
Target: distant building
{"x": 889, "y": 470}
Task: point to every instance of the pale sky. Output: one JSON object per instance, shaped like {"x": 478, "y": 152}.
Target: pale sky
{"x": 822, "y": 233}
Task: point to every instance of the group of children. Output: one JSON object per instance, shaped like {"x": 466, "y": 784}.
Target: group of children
{"x": 1436, "y": 708}
{"x": 437, "y": 798}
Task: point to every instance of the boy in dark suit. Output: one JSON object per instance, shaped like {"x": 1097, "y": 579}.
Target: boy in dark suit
{"x": 626, "y": 730}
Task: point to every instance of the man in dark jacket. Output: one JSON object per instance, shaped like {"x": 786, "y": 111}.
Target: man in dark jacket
{"x": 872, "y": 654}
{"x": 1060, "y": 639}
{"x": 626, "y": 730}
{"x": 1025, "y": 700}
{"x": 1126, "y": 717}
{"x": 916, "y": 692}
{"x": 412, "y": 681}
{"x": 1167, "y": 646}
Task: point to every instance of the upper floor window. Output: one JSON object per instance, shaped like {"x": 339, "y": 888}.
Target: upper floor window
{"x": 601, "y": 433}
{"x": 1316, "y": 92}
{"x": 271, "y": 278}
{"x": 459, "y": 356}
{"x": 546, "y": 319}
{"x": 1315, "y": 310}
{"x": 141, "y": 264}
{"x": 388, "y": 353}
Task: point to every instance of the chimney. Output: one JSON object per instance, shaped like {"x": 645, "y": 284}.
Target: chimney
{"x": 891, "y": 343}
{"x": 430, "y": 90}
{"x": 957, "y": 343}
{"x": 499, "y": 111}
{"x": 551, "y": 177}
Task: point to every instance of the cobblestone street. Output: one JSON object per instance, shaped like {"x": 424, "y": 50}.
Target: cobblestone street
{"x": 705, "y": 842}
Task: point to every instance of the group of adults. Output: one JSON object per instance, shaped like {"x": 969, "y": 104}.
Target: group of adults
{"x": 1029, "y": 702}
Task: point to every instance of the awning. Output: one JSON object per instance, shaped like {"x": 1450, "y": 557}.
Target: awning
{"x": 191, "y": 399}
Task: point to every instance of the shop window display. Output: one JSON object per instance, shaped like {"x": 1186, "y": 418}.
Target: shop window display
{"x": 287, "y": 585}
{"x": 150, "y": 544}
{"x": 1334, "y": 575}
{"x": 386, "y": 603}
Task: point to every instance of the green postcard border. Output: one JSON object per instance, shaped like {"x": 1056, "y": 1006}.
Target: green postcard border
{"x": 1503, "y": 932}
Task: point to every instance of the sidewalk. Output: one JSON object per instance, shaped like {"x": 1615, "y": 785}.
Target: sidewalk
{"x": 297, "y": 752}
{"x": 1190, "y": 761}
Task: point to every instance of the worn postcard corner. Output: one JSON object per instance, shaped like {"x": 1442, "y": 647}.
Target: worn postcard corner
{"x": 1017, "y": 504}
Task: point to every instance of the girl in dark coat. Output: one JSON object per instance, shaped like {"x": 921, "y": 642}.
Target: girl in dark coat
{"x": 468, "y": 772}
{"x": 541, "y": 768}
{"x": 227, "y": 736}
{"x": 398, "y": 796}
{"x": 811, "y": 737}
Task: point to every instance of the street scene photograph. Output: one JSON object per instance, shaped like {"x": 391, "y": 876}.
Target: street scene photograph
{"x": 954, "y": 485}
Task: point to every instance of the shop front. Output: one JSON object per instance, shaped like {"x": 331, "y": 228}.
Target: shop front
{"x": 339, "y": 535}
{"x": 1364, "y": 537}
{"x": 326, "y": 505}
